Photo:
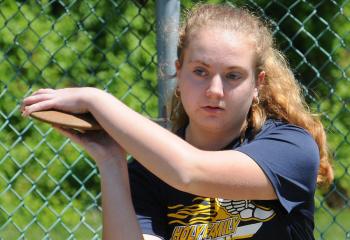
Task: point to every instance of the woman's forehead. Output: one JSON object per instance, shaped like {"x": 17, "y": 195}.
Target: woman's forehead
{"x": 220, "y": 46}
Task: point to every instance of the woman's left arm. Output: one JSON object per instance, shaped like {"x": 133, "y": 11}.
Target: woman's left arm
{"x": 189, "y": 169}
{"x": 226, "y": 174}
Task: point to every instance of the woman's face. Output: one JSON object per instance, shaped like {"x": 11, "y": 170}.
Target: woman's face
{"x": 216, "y": 79}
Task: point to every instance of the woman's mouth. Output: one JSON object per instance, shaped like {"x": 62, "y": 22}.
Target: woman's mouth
{"x": 213, "y": 109}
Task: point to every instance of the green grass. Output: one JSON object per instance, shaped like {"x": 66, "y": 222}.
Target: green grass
{"x": 88, "y": 227}
{"x": 331, "y": 224}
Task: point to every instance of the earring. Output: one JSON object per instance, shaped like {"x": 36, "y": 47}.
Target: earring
{"x": 256, "y": 101}
{"x": 177, "y": 93}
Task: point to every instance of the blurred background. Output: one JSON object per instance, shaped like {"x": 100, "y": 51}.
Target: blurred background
{"x": 49, "y": 188}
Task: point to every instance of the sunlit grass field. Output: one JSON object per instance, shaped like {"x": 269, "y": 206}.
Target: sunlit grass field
{"x": 87, "y": 227}
{"x": 330, "y": 225}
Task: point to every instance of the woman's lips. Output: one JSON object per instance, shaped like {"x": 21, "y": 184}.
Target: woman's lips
{"x": 212, "y": 109}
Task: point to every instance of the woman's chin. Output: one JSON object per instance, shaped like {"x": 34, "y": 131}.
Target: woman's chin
{"x": 211, "y": 124}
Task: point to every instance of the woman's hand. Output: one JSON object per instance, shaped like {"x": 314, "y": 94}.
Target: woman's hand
{"x": 73, "y": 100}
{"x": 98, "y": 144}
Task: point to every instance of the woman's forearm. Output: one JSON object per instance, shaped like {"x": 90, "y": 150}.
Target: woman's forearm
{"x": 178, "y": 163}
{"x": 158, "y": 149}
{"x": 119, "y": 218}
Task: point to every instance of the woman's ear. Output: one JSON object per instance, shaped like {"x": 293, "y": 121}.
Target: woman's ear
{"x": 260, "y": 79}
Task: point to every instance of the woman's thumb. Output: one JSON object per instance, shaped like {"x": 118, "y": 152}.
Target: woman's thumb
{"x": 74, "y": 135}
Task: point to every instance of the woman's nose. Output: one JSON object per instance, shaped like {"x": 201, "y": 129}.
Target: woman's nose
{"x": 216, "y": 87}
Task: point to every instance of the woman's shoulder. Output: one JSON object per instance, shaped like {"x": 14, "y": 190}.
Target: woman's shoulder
{"x": 271, "y": 124}
{"x": 281, "y": 139}
{"x": 279, "y": 128}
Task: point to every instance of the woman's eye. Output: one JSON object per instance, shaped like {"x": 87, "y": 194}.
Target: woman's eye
{"x": 200, "y": 72}
{"x": 233, "y": 76}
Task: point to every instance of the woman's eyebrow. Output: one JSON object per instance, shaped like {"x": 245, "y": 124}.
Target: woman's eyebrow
{"x": 200, "y": 62}
{"x": 235, "y": 67}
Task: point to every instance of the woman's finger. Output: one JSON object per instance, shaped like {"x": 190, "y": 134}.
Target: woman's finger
{"x": 40, "y": 106}
{"x": 36, "y": 98}
{"x": 43, "y": 91}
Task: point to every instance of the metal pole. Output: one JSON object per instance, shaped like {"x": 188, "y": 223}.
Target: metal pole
{"x": 168, "y": 14}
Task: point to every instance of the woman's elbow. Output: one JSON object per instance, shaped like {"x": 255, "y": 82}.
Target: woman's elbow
{"x": 187, "y": 174}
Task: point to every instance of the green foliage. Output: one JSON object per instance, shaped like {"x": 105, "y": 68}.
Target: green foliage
{"x": 49, "y": 187}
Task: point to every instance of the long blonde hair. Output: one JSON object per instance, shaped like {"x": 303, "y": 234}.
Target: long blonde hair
{"x": 280, "y": 96}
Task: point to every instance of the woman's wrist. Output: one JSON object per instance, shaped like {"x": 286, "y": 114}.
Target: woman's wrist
{"x": 88, "y": 96}
{"x": 111, "y": 164}
{"x": 114, "y": 171}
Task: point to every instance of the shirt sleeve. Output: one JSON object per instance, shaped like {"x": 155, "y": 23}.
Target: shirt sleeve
{"x": 146, "y": 198}
{"x": 289, "y": 156}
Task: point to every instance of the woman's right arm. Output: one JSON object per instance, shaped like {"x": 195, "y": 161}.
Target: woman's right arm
{"x": 118, "y": 214}
{"x": 119, "y": 218}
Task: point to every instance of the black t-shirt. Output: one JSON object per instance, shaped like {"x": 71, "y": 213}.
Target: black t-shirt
{"x": 289, "y": 157}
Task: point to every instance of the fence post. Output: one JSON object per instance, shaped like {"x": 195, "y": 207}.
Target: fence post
{"x": 168, "y": 14}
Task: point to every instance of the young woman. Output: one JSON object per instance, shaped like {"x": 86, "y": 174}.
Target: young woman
{"x": 245, "y": 155}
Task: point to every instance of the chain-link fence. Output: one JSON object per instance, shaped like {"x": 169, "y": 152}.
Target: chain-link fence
{"x": 50, "y": 189}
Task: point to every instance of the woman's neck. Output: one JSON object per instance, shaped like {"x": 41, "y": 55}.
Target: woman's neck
{"x": 210, "y": 140}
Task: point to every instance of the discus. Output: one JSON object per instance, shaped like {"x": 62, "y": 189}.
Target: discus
{"x": 81, "y": 122}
